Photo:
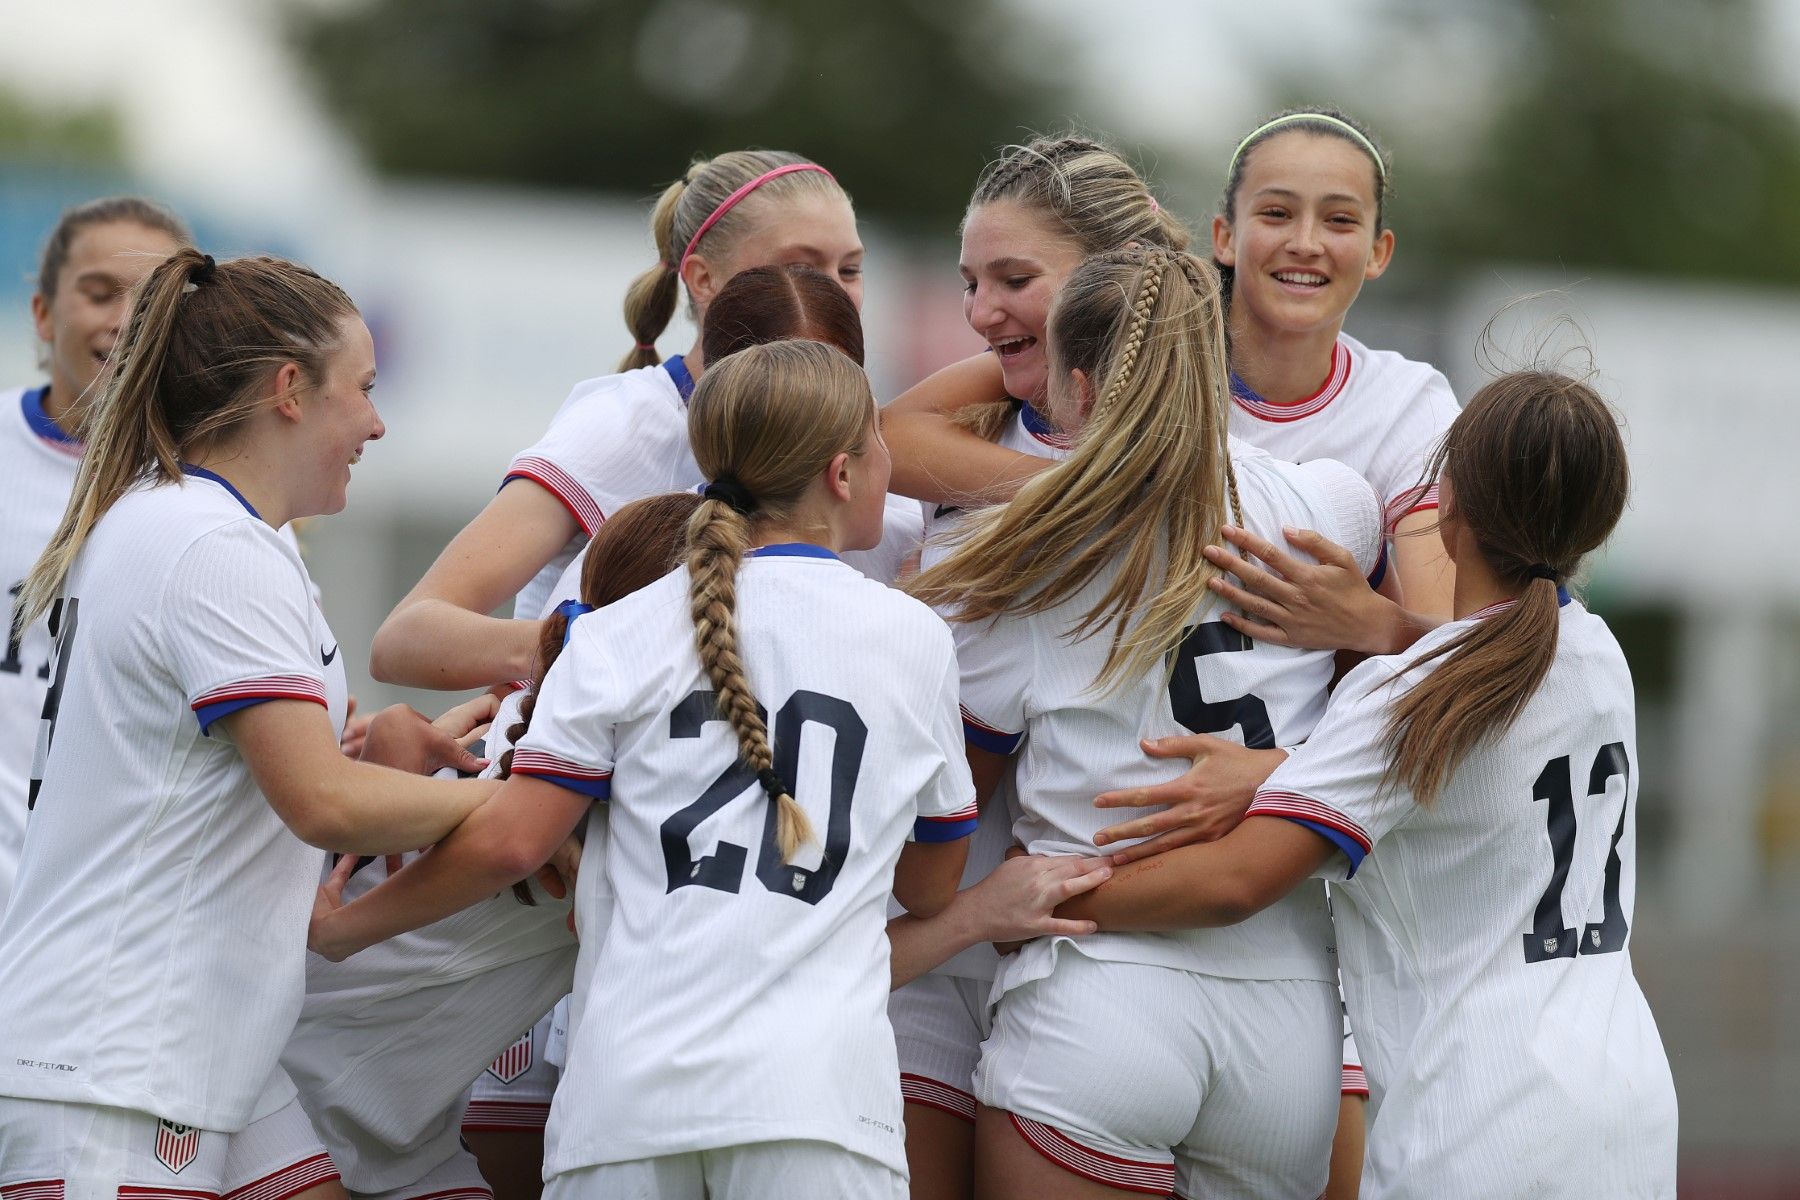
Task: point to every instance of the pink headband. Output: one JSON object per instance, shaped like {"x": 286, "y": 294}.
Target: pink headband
{"x": 731, "y": 201}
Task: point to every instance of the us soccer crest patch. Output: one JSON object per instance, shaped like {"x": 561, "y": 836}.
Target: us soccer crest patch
{"x": 176, "y": 1145}
{"x": 514, "y": 1061}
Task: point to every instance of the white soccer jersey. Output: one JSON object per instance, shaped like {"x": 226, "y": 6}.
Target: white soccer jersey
{"x": 1483, "y": 940}
{"x": 1028, "y": 431}
{"x": 37, "y": 471}
{"x": 735, "y": 998}
{"x": 902, "y": 530}
{"x": 152, "y": 956}
{"x": 616, "y": 439}
{"x": 1024, "y": 681}
{"x": 1378, "y": 413}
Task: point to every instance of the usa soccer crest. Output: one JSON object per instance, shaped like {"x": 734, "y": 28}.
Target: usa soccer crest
{"x": 514, "y": 1061}
{"x": 176, "y": 1145}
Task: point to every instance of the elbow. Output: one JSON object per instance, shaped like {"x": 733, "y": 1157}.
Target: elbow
{"x": 925, "y": 898}
{"x": 324, "y": 822}
{"x": 385, "y": 656}
{"x": 1234, "y": 900}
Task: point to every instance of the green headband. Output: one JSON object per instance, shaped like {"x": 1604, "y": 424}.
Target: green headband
{"x": 1355, "y": 134}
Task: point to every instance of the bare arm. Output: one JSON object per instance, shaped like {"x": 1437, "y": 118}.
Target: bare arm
{"x": 523, "y": 822}
{"x": 926, "y": 876}
{"x": 1426, "y": 574}
{"x": 1015, "y": 902}
{"x": 1206, "y": 885}
{"x": 335, "y": 803}
{"x": 1205, "y": 803}
{"x": 935, "y": 458}
{"x": 440, "y": 635}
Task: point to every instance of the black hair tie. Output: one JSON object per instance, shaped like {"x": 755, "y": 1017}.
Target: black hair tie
{"x": 771, "y": 782}
{"x": 728, "y": 491}
{"x": 203, "y": 271}
{"x": 1542, "y": 571}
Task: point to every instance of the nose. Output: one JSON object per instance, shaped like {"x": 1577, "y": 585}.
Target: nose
{"x": 1304, "y": 236}
{"x": 983, "y": 313}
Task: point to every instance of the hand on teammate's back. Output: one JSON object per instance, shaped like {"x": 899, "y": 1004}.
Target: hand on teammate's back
{"x": 1323, "y": 605}
{"x": 401, "y": 737}
{"x": 1202, "y": 805}
{"x": 1017, "y": 900}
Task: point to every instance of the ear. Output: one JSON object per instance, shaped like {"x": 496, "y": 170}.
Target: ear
{"x": 837, "y": 477}
{"x": 1224, "y": 251}
{"x": 286, "y": 389}
{"x": 1380, "y": 255}
{"x": 703, "y": 281}
{"x": 1084, "y": 393}
{"x": 40, "y": 318}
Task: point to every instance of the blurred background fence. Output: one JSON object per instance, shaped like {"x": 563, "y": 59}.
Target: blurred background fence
{"x": 476, "y": 173}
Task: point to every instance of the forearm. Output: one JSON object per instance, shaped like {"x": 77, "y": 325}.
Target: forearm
{"x": 465, "y": 868}
{"x": 937, "y": 460}
{"x": 431, "y": 643}
{"x": 1172, "y": 891}
{"x": 916, "y": 945}
{"x": 1396, "y": 628}
{"x": 370, "y": 809}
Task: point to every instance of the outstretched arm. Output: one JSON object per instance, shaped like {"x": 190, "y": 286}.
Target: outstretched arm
{"x": 938, "y": 460}
{"x": 440, "y": 635}
{"x": 1206, "y": 885}
{"x": 505, "y": 840}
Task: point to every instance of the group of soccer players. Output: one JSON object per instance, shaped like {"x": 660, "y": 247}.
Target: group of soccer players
{"x": 935, "y": 799}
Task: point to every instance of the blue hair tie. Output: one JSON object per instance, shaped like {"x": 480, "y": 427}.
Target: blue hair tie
{"x": 568, "y": 610}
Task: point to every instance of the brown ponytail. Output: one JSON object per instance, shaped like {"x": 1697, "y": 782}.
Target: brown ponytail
{"x": 681, "y": 210}
{"x": 640, "y": 544}
{"x": 764, "y": 423}
{"x": 1537, "y": 473}
{"x": 188, "y": 369}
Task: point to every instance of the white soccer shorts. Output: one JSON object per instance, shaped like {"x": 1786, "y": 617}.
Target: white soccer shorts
{"x": 457, "y": 1178}
{"x": 514, "y": 1092}
{"x": 784, "y": 1170}
{"x": 53, "y": 1150}
{"x": 939, "y": 1023}
{"x": 1156, "y": 1080}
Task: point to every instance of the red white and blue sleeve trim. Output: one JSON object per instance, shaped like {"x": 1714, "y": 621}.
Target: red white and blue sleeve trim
{"x": 1355, "y": 1081}
{"x": 949, "y": 827}
{"x": 1322, "y": 819}
{"x": 1412, "y": 500}
{"x": 985, "y": 737}
{"x": 589, "y": 781}
{"x": 562, "y": 485}
{"x": 223, "y": 701}
{"x": 1381, "y": 568}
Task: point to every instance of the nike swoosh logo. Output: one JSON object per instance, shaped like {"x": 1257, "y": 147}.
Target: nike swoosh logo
{"x": 325, "y": 656}
{"x": 944, "y": 510}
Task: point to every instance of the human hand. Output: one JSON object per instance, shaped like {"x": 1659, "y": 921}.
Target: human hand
{"x": 1327, "y": 605}
{"x": 326, "y": 903}
{"x": 402, "y": 738}
{"x": 356, "y": 731}
{"x": 1203, "y": 805}
{"x": 1016, "y": 901}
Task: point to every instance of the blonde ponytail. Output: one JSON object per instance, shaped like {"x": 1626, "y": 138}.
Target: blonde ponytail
{"x": 764, "y": 423}
{"x": 188, "y": 368}
{"x": 680, "y": 213}
{"x": 1147, "y": 484}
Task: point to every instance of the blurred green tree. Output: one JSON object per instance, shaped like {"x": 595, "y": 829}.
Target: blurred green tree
{"x": 1639, "y": 135}
{"x": 904, "y": 99}
{"x": 33, "y": 133}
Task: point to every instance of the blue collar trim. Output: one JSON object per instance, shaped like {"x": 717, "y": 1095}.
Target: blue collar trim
{"x": 793, "y": 550}
{"x": 684, "y": 379}
{"x": 1243, "y": 392}
{"x": 203, "y": 473}
{"x": 40, "y": 421}
{"x": 1562, "y": 596}
{"x": 1036, "y": 422}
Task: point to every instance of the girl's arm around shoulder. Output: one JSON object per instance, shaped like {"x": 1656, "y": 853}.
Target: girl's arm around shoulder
{"x": 937, "y": 459}
{"x": 440, "y": 635}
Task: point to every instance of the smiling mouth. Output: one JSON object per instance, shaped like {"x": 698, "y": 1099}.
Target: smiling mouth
{"x": 357, "y": 457}
{"x": 1303, "y": 279}
{"x": 1012, "y": 347}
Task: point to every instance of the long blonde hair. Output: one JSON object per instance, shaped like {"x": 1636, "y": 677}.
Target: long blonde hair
{"x": 201, "y": 340}
{"x": 1091, "y": 195}
{"x": 764, "y": 423}
{"x": 1147, "y": 483}
{"x": 682, "y": 208}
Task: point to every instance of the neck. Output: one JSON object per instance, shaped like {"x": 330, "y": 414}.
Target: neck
{"x": 1278, "y": 365}
{"x": 695, "y": 360}
{"x": 251, "y": 474}
{"x": 1476, "y": 587}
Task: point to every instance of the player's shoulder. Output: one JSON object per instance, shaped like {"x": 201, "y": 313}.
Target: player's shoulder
{"x": 1405, "y": 386}
{"x": 619, "y": 399}
{"x": 1321, "y": 493}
